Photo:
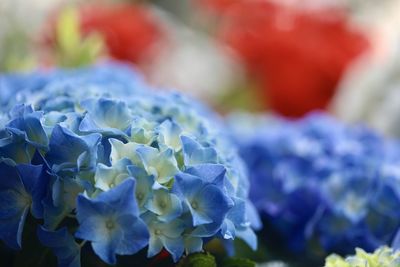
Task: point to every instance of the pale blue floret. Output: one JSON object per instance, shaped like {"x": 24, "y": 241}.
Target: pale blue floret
{"x": 111, "y": 222}
{"x": 169, "y": 135}
{"x": 28, "y": 126}
{"x": 13, "y": 148}
{"x": 21, "y": 189}
{"x": 108, "y": 177}
{"x": 68, "y": 151}
{"x": 162, "y": 165}
{"x": 120, "y": 150}
{"x": 61, "y": 201}
{"x": 98, "y": 145}
{"x": 166, "y": 205}
{"x": 106, "y": 116}
{"x": 144, "y": 184}
{"x": 194, "y": 153}
{"x": 168, "y": 235}
{"x": 345, "y": 177}
{"x": 143, "y": 130}
{"x": 206, "y": 201}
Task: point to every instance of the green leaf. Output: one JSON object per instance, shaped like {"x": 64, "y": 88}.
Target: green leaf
{"x": 198, "y": 260}
{"x": 238, "y": 262}
{"x": 16, "y": 50}
{"x": 72, "y": 49}
{"x": 67, "y": 30}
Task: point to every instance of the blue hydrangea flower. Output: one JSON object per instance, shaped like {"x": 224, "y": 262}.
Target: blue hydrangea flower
{"x": 63, "y": 245}
{"x": 21, "y": 190}
{"x": 118, "y": 166}
{"x": 111, "y": 221}
{"x": 64, "y": 85}
{"x": 317, "y": 181}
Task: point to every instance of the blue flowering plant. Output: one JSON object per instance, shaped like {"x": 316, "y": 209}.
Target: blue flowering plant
{"x": 92, "y": 157}
{"x": 319, "y": 185}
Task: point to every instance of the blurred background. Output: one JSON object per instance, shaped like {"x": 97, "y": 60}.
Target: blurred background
{"x": 289, "y": 57}
{"x": 284, "y": 57}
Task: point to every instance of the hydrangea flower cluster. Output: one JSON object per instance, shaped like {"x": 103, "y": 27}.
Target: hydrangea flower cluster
{"x": 108, "y": 80}
{"x": 135, "y": 168}
{"x": 322, "y": 184}
{"x": 383, "y": 256}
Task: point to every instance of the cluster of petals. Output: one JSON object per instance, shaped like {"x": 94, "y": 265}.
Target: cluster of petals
{"x": 318, "y": 181}
{"x": 136, "y": 168}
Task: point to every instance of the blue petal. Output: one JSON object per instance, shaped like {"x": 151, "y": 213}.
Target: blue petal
{"x": 106, "y": 116}
{"x": 106, "y": 247}
{"x": 212, "y": 203}
{"x": 194, "y": 153}
{"x": 61, "y": 201}
{"x": 144, "y": 184}
{"x": 253, "y": 216}
{"x": 169, "y": 135}
{"x": 15, "y": 203}
{"x": 193, "y": 244}
{"x": 396, "y": 241}
{"x": 20, "y": 110}
{"x": 155, "y": 246}
{"x": 228, "y": 229}
{"x": 16, "y": 149}
{"x": 135, "y": 237}
{"x": 167, "y": 206}
{"x": 211, "y": 173}
{"x": 108, "y": 177}
{"x": 111, "y": 220}
{"x": 162, "y": 165}
{"x": 63, "y": 246}
{"x": 142, "y": 130}
{"x": 119, "y": 151}
{"x": 11, "y": 228}
{"x": 237, "y": 214}
{"x": 35, "y": 180}
{"x": 188, "y": 185}
{"x": 67, "y": 148}
{"x": 91, "y": 215}
{"x": 248, "y": 236}
{"x": 174, "y": 246}
{"x": 31, "y": 128}
{"x": 122, "y": 197}
{"x": 167, "y": 234}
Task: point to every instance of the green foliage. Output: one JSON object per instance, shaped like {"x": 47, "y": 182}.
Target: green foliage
{"x": 243, "y": 96}
{"x": 198, "y": 260}
{"x": 73, "y": 50}
{"x": 208, "y": 260}
{"x": 382, "y": 257}
{"x": 15, "y": 54}
{"x": 238, "y": 262}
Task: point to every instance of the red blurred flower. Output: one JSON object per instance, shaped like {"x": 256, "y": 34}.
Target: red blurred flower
{"x": 298, "y": 56}
{"x": 131, "y": 32}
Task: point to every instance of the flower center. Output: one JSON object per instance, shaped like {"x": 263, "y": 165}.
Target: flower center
{"x": 158, "y": 232}
{"x": 163, "y": 204}
{"x": 140, "y": 196}
{"x": 194, "y": 205}
{"x": 112, "y": 185}
{"x": 110, "y": 224}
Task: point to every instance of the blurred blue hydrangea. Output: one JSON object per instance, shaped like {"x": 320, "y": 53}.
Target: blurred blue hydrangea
{"x": 321, "y": 184}
{"x": 108, "y": 79}
{"x": 135, "y": 167}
